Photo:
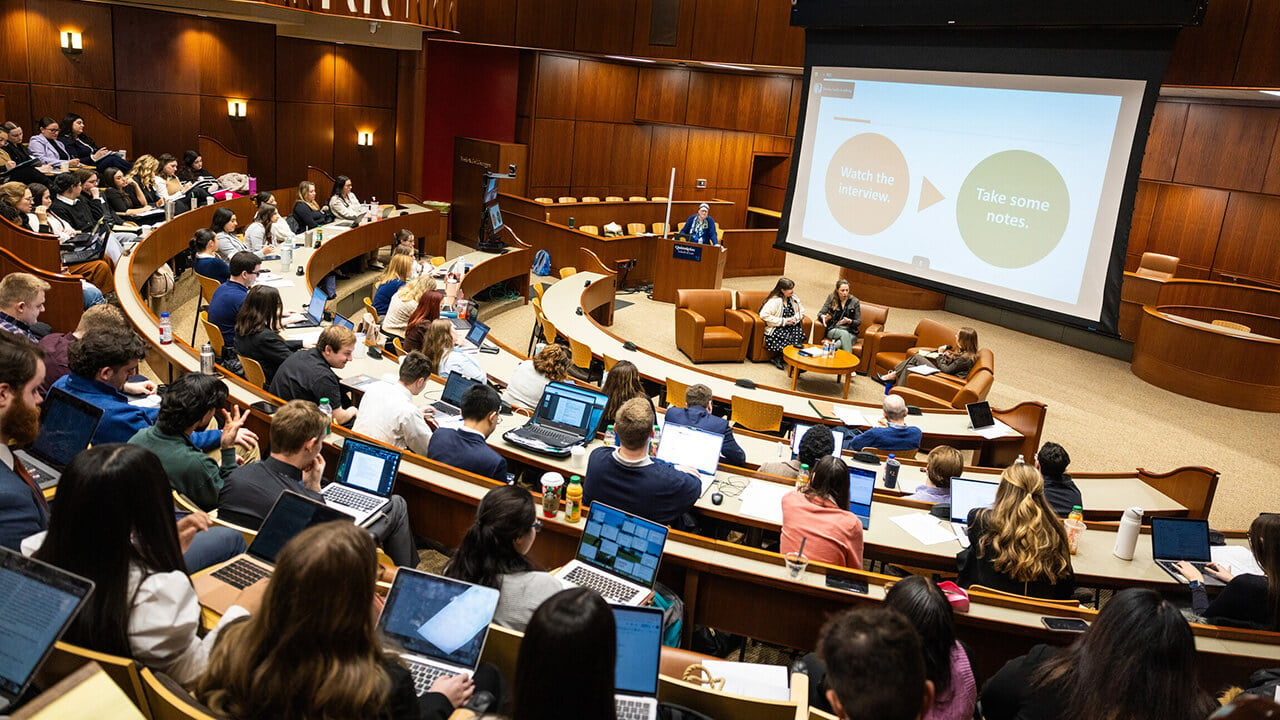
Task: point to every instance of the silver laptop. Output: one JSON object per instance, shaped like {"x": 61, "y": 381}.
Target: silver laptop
{"x": 694, "y": 447}
{"x": 440, "y": 623}
{"x": 799, "y": 433}
{"x": 635, "y": 669}
{"x": 618, "y": 555}
{"x": 450, "y": 402}
{"x": 314, "y": 313}
{"x": 1177, "y": 539}
{"x": 366, "y": 474}
{"x": 966, "y": 495}
{"x": 65, "y": 431}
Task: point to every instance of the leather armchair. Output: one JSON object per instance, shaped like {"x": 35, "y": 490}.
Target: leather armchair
{"x": 889, "y": 349}
{"x": 1157, "y": 266}
{"x": 749, "y": 302}
{"x": 872, "y": 320}
{"x": 986, "y": 361}
{"x": 924, "y": 391}
{"x": 708, "y": 329}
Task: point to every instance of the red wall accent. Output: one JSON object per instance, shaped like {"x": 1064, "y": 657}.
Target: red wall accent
{"x": 471, "y": 92}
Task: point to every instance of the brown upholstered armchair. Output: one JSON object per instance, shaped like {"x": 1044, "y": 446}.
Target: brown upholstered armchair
{"x": 986, "y": 361}
{"x": 925, "y": 391}
{"x": 708, "y": 329}
{"x": 872, "y": 321}
{"x": 749, "y": 302}
{"x": 889, "y": 349}
{"x": 1157, "y": 266}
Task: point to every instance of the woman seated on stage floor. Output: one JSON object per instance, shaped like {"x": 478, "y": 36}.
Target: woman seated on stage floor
{"x": 1251, "y": 601}
{"x": 623, "y": 384}
{"x": 258, "y": 330}
{"x": 494, "y": 553}
{"x": 530, "y": 377}
{"x": 392, "y": 280}
{"x": 1018, "y": 545}
{"x": 945, "y": 462}
{"x": 573, "y": 629}
{"x": 426, "y": 312}
{"x": 820, "y": 515}
{"x": 957, "y": 360}
{"x": 840, "y": 314}
{"x": 437, "y": 345}
{"x": 783, "y": 316}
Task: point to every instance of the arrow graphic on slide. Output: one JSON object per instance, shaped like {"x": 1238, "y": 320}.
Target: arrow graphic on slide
{"x": 929, "y": 195}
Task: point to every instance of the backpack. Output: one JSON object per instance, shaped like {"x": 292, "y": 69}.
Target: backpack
{"x": 161, "y": 282}
{"x": 541, "y": 263}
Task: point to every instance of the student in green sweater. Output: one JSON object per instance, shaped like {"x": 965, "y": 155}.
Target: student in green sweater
{"x": 191, "y": 402}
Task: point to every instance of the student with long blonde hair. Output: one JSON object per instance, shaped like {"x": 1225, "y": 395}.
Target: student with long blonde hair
{"x": 395, "y": 321}
{"x": 399, "y": 267}
{"x": 144, "y": 175}
{"x": 955, "y": 359}
{"x": 1018, "y": 545}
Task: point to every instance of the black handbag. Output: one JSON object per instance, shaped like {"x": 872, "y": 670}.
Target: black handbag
{"x": 86, "y": 246}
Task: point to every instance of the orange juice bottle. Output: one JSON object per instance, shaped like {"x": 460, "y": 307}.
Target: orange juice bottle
{"x": 573, "y": 500}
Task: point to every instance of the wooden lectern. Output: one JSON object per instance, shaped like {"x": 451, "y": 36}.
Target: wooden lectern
{"x": 684, "y": 265}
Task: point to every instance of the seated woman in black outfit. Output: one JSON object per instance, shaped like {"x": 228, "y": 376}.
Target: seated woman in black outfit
{"x": 307, "y": 213}
{"x": 573, "y": 629}
{"x": 126, "y": 199}
{"x": 1018, "y": 545}
{"x": 1251, "y": 601}
{"x": 191, "y": 168}
{"x": 1136, "y": 662}
{"x": 258, "y": 329}
{"x": 83, "y": 148}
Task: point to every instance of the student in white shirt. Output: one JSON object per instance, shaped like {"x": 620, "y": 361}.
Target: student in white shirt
{"x": 260, "y": 236}
{"x": 396, "y": 320}
{"x": 387, "y": 413}
{"x": 530, "y": 377}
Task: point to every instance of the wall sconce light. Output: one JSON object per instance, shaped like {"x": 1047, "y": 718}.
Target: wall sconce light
{"x": 364, "y": 139}
{"x": 237, "y": 108}
{"x": 71, "y": 41}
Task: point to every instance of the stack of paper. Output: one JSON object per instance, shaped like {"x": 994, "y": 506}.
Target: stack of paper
{"x": 762, "y": 499}
{"x": 999, "y": 429}
{"x": 764, "y": 682}
{"x": 925, "y": 528}
{"x": 1237, "y": 558}
{"x": 850, "y": 416}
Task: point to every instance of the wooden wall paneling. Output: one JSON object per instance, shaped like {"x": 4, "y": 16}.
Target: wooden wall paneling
{"x": 171, "y": 131}
{"x": 606, "y": 92}
{"x": 235, "y": 58}
{"x": 49, "y": 65}
{"x": 684, "y": 32}
{"x": 1259, "y": 63}
{"x": 13, "y": 51}
{"x": 776, "y": 41}
{"x": 17, "y": 104}
{"x": 55, "y": 101}
{"x": 1271, "y": 184}
{"x": 491, "y": 21}
{"x": 592, "y": 155}
{"x": 702, "y": 161}
{"x": 1221, "y": 146}
{"x": 714, "y": 100}
{"x": 667, "y": 150}
{"x": 252, "y": 135}
{"x": 793, "y": 112}
{"x": 1207, "y": 55}
{"x": 770, "y": 97}
{"x": 371, "y": 169}
{"x": 304, "y": 136}
{"x": 364, "y": 76}
{"x": 524, "y": 131}
{"x": 1144, "y": 206}
{"x": 526, "y": 83}
{"x": 411, "y": 107}
{"x": 1242, "y": 245}
{"x": 551, "y": 161}
{"x": 771, "y": 169}
{"x": 1186, "y": 223}
{"x": 772, "y": 144}
{"x": 605, "y": 27}
{"x": 629, "y": 164}
{"x": 768, "y": 197}
{"x": 546, "y": 23}
{"x": 143, "y": 36}
{"x": 728, "y": 30}
{"x": 735, "y": 160}
{"x": 307, "y": 73}
{"x": 731, "y": 217}
{"x": 557, "y": 94}
{"x": 662, "y": 95}
{"x": 1164, "y": 141}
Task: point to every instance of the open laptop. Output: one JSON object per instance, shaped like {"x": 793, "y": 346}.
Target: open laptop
{"x": 291, "y": 514}
{"x": 798, "y": 435}
{"x": 635, "y": 669}
{"x": 980, "y": 415}
{"x": 362, "y": 485}
{"x": 695, "y": 447}
{"x": 477, "y": 333}
{"x": 314, "y": 313}
{"x": 450, "y": 402}
{"x": 566, "y": 415}
{"x": 440, "y": 623}
{"x": 1176, "y": 539}
{"x": 340, "y": 320}
{"x": 966, "y": 495}
{"x": 862, "y": 484}
{"x": 618, "y": 555}
{"x": 37, "y": 603}
{"x": 65, "y": 431}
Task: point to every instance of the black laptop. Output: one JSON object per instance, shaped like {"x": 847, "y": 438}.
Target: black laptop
{"x": 567, "y": 415}
{"x": 1177, "y": 539}
{"x": 65, "y": 431}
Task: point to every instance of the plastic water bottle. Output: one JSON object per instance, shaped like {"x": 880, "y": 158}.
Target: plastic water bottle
{"x": 610, "y": 436}
{"x": 166, "y": 329}
{"x": 286, "y": 257}
{"x": 326, "y": 408}
{"x": 253, "y": 185}
{"x": 373, "y": 206}
{"x": 653, "y": 444}
{"x": 1019, "y": 461}
{"x": 891, "y": 468}
{"x": 206, "y": 360}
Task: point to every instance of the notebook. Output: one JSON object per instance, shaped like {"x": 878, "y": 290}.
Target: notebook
{"x": 798, "y": 435}
{"x": 1176, "y": 539}
{"x": 314, "y": 312}
{"x": 440, "y": 623}
{"x": 618, "y": 555}
{"x": 450, "y": 402}
{"x": 980, "y": 415}
{"x": 65, "y": 431}
{"x": 291, "y": 514}
{"x": 566, "y": 415}
{"x": 635, "y": 669}
{"x": 694, "y": 447}
{"x": 37, "y": 603}
{"x": 862, "y": 483}
{"x": 362, "y": 485}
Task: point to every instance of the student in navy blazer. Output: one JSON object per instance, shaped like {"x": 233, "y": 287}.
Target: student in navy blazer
{"x": 697, "y": 413}
{"x": 22, "y": 508}
{"x": 894, "y": 434}
{"x": 466, "y": 448}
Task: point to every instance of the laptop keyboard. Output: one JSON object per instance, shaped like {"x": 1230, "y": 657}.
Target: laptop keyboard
{"x": 609, "y": 588}
{"x": 631, "y": 708}
{"x": 425, "y": 675}
{"x": 241, "y": 574}
{"x": 356, "y": 501}
{"x": 444, "y": 407}
{"x": 552, "y": 436}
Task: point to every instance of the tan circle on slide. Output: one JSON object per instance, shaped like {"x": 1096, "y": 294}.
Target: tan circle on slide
{"x": 867, "y": 184}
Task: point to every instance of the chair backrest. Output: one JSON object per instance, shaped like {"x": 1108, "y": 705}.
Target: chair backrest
{"x": 659, "y": 198}
{"x": 594, "y": 230}
{"x": 399, "y": 346}
{"x": 1015, "y": 596}
{"x": 1231, "y": 325}
{"x": 169, "y": 701}
{"x": 544, "y": 200}
{"x": 931, "y": 333}
{"x": 975, "y": 388}
{"x": 548, "y": 328}
{"x": 816, "y": 714}
{"x": 1157, "y": 266}
{"x": 720, "y": 704}
{"x": 638, "y": 198}
{"x": 755, "y": 415}
{"x": 872, "y": 314}
{"x": 502, "y": 649}
{"x": 660, "y": 228}
{"x": 581, "y": 354}
{"x": 710, "y": 304}
{"x": 369, "y": 308}
{"x": 253, "y": 371}
{"x": 211, "y": 330}
{"x": 67, "y": 658}
{"x": 635, "y": 228}
{"x": 207, "y": 287}
{"x": 675, "y": 393}
{"x": 438, "y": 260}
{"x": 590, "y": 198}
{"x": 613, "y": 198}
{"x": 567, "y": 199}
{"x": 986, "y": 361}
{"x": 751, "y": 300}
{"x": 609, "y": 363}
{"x": 539, "y": 289}
{"x": 567, "y": 271}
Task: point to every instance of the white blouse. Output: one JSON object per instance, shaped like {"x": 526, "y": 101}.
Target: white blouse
{"x": 525, "y": 386}
{"x": 161, "y": 185}
{"x": 348, "y": 208}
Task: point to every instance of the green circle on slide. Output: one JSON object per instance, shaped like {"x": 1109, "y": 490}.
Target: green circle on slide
{"x": 1013, "y": 209}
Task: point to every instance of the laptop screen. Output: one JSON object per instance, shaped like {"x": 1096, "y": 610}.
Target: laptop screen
{"x": 341, "y": 321}
{"x": 862, "y": 483}
{"x": 1180, "y": 539}
{"x": 969, "y": 494}
{"x": 368, "y": 466}
{"x": 980, "y": 415}
{"x": 37, "y": 602}
{"x": 798, "y": 435}
{"x": 67, "y": 427}
{"x": 639, "y": 630}
{"x": 439, "y": 618}
{"x": 315, "y": 308}
{"x": 622, "y": 544}
{"x": 291, "y": 514}
{"x": 455, "y": 387}
{"x": 695, "y": 447}
{"x": 477, "y": 333}
{"x": 570, "y": 408}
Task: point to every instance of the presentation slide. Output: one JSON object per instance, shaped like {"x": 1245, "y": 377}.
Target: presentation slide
{"x": 1007, "y": 186}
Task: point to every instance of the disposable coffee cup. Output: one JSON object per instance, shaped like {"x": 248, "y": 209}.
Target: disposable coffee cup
{"x": 551, "y": 484}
